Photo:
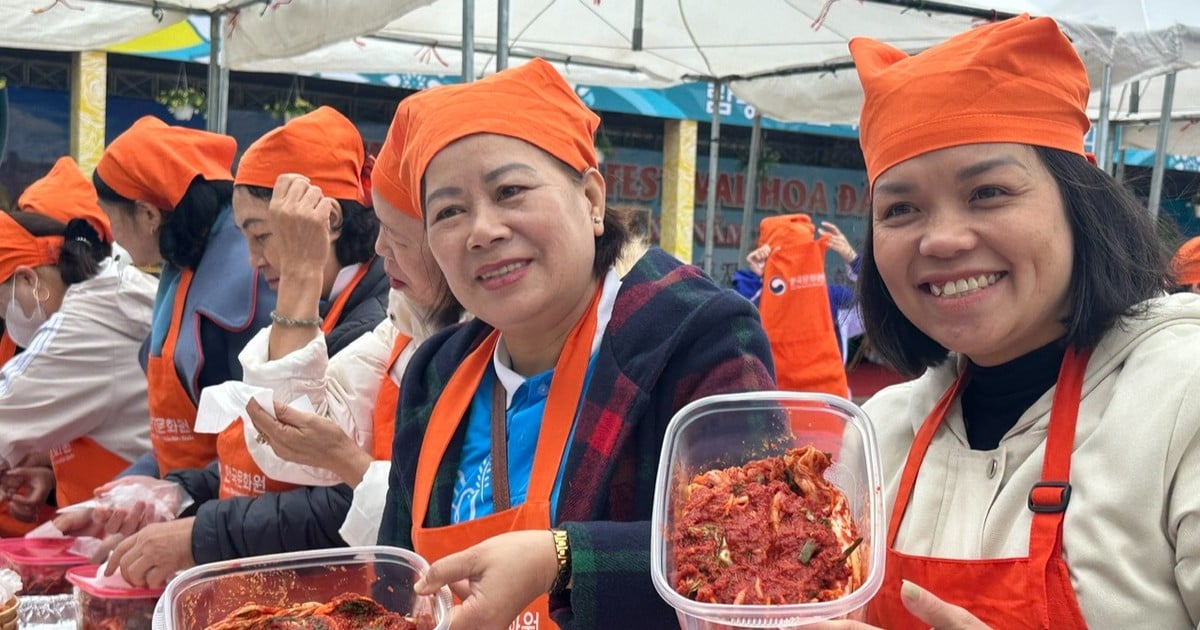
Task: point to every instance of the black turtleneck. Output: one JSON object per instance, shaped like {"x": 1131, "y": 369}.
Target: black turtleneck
{"x": 996, "y": 396}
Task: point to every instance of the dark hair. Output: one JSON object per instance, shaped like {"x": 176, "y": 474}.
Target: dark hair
{"x": 82, "y": 250}
{"x": 183, "y": 234}
{"x": 358, "y": 229}
{"x": 1119, "y": 261}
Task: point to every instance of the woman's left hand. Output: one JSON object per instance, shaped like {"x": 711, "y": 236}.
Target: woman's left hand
{"x": 152, "y": 556}
{"x": 923, "y": 605}
{"x": 496, "y": 579}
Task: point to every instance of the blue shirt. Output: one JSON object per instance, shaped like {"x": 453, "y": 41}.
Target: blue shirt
{"x": 523, "y": 421}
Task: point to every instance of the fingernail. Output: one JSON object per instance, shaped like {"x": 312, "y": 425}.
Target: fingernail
{"x": 909, "y": 591}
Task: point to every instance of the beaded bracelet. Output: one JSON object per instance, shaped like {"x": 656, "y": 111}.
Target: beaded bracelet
{"x": 276, "y": 318}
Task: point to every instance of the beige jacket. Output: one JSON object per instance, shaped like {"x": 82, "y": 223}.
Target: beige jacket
{"x": 1132, "y": 529}
{"x": 80, "y": 375}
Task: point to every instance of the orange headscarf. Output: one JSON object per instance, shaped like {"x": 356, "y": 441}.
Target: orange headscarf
{"x": 531, "y": 102}
{"x": 155, "y": 162}
{"x": 65, "y": 194}
{"x": 323, "y": 145}
{"x": 1019, "y": 81}
{"x": 385, "y": 176}
{"x": 19, "y": 247}
{"x": 1187, "y": 263}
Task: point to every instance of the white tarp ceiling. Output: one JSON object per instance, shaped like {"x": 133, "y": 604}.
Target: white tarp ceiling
{"x": 592, "y": 40}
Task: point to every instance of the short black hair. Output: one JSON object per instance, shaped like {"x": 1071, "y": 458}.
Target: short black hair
{"x": 184, "y": 231}
{"x": 358, "y": 229}
{"x": 82, "y": 249}
{"x": 1119, "y": 261}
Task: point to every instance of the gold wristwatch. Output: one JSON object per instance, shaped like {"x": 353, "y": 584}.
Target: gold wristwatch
{"x": 562, "y": 549}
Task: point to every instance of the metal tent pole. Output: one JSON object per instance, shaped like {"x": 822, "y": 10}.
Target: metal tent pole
{"x": 501, "y": 35}
{"x": 218, "y": 75}
{"x": 468, "y": 41}
{"x": 1160, "y": 146}
{"x": 751, "y": 188}
{"x": 1100, "y": 147}
{"x": 714, "y": 154}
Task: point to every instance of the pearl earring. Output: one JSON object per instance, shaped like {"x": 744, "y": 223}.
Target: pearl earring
{"x": 597, "y": 220}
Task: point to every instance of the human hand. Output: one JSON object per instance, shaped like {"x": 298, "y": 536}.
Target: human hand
{"x": 923, "y": 605}
{"x": 78, "y": 522}
{"x": 758, "y": 259}
{"x": 301, "y": 218}
{"x": 26, "y": 489}
{"x": 151, "y": 557}
{"x": 838, "y": 241}
{"x": 310, "y": 439}
{"x": 496, "y": 578}
{"x": 128, "y": 504}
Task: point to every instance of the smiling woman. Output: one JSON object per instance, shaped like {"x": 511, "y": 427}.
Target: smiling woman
{"x": 1025, "y": 287}
{"x": 549, "y": 410}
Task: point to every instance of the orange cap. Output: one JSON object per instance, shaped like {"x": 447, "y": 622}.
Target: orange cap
{"x": 155, "y": 162}
{"x": 531, "y": 102}
{"x": 1186, "y": 264}
{"x": 323, "y": 145}
{"x": 385, "y": 176}
{"x": 65, "y": 194}
{"x": 19, "y": 247}
{"x": 1019, "y": 81}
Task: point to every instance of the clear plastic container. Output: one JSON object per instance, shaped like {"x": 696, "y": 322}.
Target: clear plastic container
{"x": 203, "y": 595}
{"x": 731, "y": 430}
{"x": 101, "y": 607}
{"x": 41, "y": 562}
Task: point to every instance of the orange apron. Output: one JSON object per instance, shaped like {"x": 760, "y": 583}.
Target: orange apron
{"x": 384, "y": 423}
{"x": 172, "y": 412}
{"x": 1031, "y": 592}
{"x": 240, "y": 474}
{"x": 795, "y": 308}
{"x": 80, "y": 466}
{"x": 562, "y": 404}
{"x": 8, "y": 348}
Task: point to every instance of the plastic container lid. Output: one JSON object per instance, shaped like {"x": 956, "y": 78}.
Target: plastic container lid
{"x": 730, "y": 430}
{"x": 40, "y": 551}
{"x": 84, "y": 576}
{"x": 205, "y": 594}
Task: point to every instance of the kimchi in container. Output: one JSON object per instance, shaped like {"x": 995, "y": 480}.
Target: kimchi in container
{"x": 101, "y": 606}
{"x": 205, "y": 595}
{"x": 41, "y": 562}
{"x": 730, "y": 454}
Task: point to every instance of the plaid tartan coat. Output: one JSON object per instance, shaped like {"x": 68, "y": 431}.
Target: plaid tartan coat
{"x": 674, "y": 337}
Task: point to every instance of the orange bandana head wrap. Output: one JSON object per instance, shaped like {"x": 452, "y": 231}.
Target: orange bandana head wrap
{"x": 65, "y": 194}
{"x": 1017, "y": 81}
{"x": 531, "y": 102}
{"x": 385, "y": 177}
{"x": 19, "y": 247}
{"x": 1187, "y": 263}
{"x": 323, "y": 145}
{"x": 155, "y": 162}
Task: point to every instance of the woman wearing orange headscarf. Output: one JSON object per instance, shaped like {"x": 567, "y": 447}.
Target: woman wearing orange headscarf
{"x": 167, "y": 191}
{"x": 1054, "y": 425}
{"x": 573, "y": 369}
{"x": 77, "y": 391}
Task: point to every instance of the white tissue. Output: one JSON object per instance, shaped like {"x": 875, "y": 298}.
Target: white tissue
{"x": 10, "y": 585}
{"x": 45, "y": 530}
{"x": 108, "y": 581}
{"x": 221, "y": 404}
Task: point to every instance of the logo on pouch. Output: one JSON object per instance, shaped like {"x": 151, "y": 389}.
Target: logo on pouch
{"x": 777, "y": 285}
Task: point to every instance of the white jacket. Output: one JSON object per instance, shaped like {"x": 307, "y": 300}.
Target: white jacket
{"x": 1131, "y": 535}
{"x": 80, "y": 375}
{"x": 344, "y": 390}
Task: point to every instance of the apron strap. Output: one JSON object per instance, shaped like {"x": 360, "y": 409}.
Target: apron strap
{"x": 500, "y": 498}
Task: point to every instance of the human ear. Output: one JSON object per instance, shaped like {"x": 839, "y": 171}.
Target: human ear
{"x": 594, "y": 191}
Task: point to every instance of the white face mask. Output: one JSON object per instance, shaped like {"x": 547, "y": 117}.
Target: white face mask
{"x": 21, "y": 327}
